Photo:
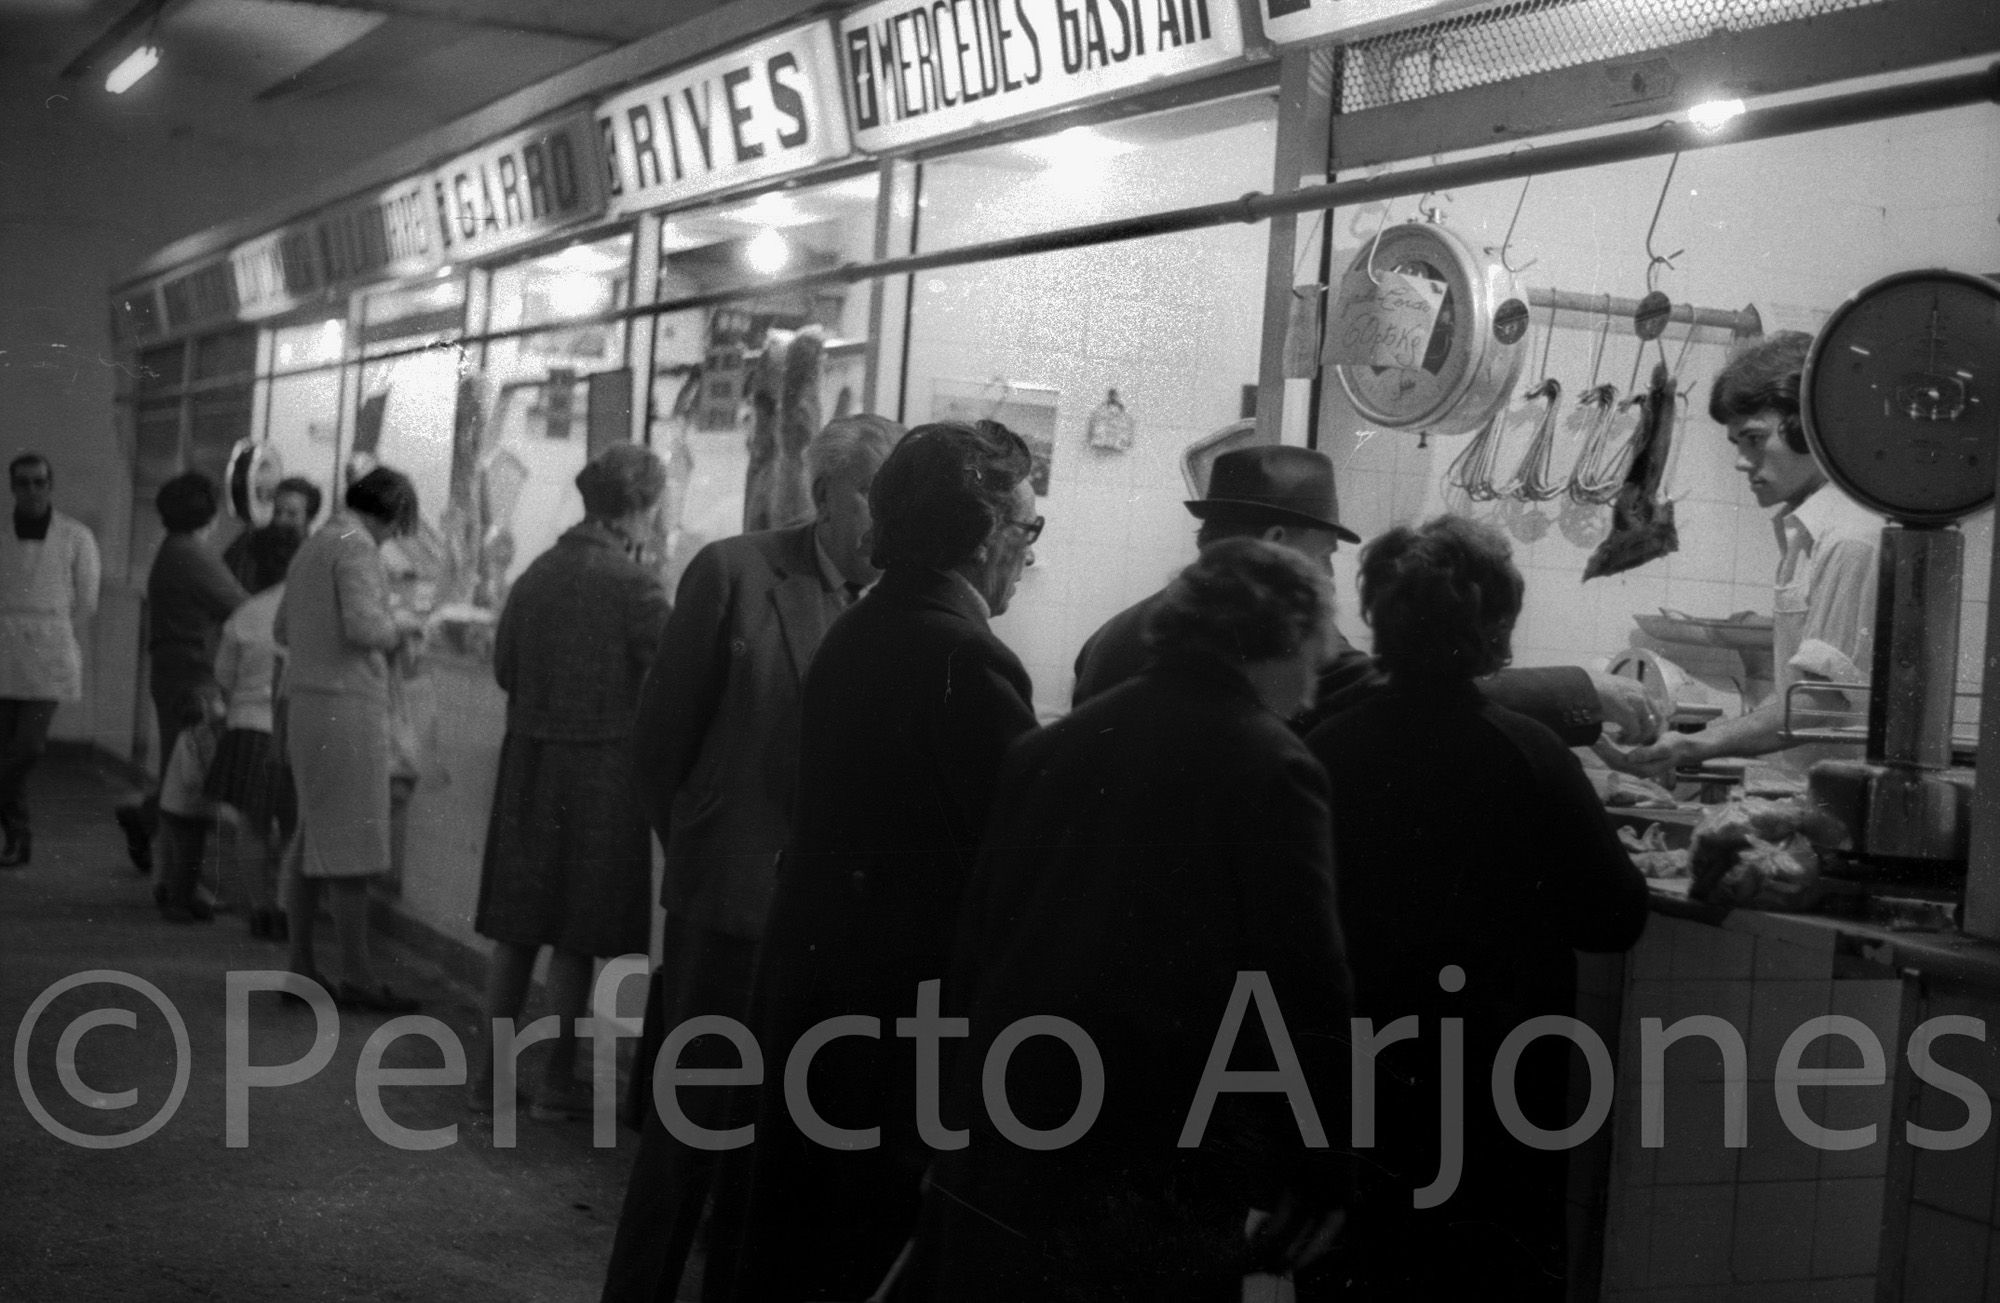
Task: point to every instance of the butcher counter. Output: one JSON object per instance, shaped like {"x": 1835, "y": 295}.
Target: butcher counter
{"x": 1765, "y": 1215}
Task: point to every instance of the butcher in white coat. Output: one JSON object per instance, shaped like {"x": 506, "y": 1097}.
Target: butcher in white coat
{"x": 49, "y": 572}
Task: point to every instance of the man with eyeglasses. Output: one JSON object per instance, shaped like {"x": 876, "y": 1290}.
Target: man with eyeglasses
{"x": 909, "y": 707}
{"x": 49, "y": 571}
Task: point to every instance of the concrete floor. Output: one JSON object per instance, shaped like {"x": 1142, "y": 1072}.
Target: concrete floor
{"x": 315, "y": 1206}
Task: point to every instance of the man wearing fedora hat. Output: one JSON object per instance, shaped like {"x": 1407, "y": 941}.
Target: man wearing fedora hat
{"x": 1284, "y": 495}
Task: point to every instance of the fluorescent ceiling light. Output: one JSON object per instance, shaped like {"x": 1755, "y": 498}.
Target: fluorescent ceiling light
{"x": 1713, "y": 115}
{"x": 134, "y": 66}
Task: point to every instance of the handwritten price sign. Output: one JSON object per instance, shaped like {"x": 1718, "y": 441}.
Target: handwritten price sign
{"x": 1382, "y": 320}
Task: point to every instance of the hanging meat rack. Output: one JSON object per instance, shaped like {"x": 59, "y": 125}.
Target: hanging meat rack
{"x": 1743, "y": 322}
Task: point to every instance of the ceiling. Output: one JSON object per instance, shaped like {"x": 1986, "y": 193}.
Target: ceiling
{"x": 445, "y": 57}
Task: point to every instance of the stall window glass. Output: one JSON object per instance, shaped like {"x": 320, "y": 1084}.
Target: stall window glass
{"x": 405, "y": 409}
{"x": 227, "y": 353}
{"x": 537, "y": 407}
{"x": 727, "y": 379}
{"x": 1172, "y": 324}
{"x": 157, "y": 431}
{"x": 302, "y": 417}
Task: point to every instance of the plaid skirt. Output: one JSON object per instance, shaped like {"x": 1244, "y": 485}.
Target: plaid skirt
{"x": 248, "y": 773}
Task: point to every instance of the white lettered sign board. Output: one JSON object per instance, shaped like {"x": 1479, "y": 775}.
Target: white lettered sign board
{"x": 918, "y": 71}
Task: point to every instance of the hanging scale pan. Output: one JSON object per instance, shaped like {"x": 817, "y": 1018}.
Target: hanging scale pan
{"x": 252, "y": 476}
{"x": 1476, "y": 346}
{"x": 1901, "y": 396}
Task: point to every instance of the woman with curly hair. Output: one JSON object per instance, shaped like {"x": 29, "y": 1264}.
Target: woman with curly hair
{"x": 568, "y": 850}
{"x": 1145, "y": 853}
{"x": 1472, "y": 859}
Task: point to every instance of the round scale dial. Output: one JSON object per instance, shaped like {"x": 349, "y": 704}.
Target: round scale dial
{"x": 1901, "y": 396}
{"x": 1476, "y": 346}
{"x": 252, "y": 476}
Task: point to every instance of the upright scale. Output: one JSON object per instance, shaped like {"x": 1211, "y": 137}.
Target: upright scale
{"x": 1901, "y": 405}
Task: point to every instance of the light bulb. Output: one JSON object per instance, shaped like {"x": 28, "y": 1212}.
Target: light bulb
{"x": 1713, "y": 115}
{"x": 768, "y": 253}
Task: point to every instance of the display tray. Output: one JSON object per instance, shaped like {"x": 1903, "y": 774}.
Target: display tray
{"x": 1743, "y": 631}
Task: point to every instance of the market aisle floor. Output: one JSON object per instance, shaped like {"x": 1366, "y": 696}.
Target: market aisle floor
{"x": 314, "y": 1207}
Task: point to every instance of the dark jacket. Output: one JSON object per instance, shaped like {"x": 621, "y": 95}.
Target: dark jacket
{"x": 1145, "y": 853}
{"x": 910, "y": 706}
{"x": 578, "y": 631}
{"x": 1559, "y": 697}
{"x": 1466, "y": 835}
{"x": 189, "y": 593}
{"x": 716, "y": 744}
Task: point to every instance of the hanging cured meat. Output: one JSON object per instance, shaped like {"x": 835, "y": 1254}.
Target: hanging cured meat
{"x": 1642, "y": 523}
{"x": 784, "y": 393}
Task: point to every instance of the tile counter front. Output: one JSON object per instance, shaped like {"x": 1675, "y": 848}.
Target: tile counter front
{"x": 1695, "y": 1213}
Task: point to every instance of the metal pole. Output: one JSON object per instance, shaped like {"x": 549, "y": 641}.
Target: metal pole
{"x": 1742, "y": 323}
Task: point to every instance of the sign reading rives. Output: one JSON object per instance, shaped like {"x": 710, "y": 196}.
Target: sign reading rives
{"x": 918, "y": 71}
{"x": 760, "y": 112}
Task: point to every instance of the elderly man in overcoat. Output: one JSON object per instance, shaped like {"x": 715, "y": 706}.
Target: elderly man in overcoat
{"x": 909, "y": 708}
{"x": 716, "y": 748}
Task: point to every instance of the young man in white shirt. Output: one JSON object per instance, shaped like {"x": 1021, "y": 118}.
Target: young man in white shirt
{"x": 49, "y": 571}
{"x": 1823, "y": 607}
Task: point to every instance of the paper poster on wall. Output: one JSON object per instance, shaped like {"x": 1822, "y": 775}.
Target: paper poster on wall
{"x": 917, "y": 70}
{"x": 1027, "y": 410}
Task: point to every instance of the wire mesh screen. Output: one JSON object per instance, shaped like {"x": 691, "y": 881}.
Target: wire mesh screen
{"x": 1532, "y": 36}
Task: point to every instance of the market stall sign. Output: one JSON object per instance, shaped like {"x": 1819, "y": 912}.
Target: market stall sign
{"x": 385, "y": 236}
{"x": 916, "y": 72}
{"x": 194, "y": 298}
{"x": 1292, "y": 22}
{"x": 763, "y": 111}
{"x": 519, "y": 188}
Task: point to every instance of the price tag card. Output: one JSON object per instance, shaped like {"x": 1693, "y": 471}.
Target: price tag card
{"x": 1382, "y": 320}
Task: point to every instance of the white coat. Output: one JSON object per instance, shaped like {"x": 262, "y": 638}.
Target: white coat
{"x": 45, "y": 585}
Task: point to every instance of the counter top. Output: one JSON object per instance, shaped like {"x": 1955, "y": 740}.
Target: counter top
{"x": 1944, "y": 955}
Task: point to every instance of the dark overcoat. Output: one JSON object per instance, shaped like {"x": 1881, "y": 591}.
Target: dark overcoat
{"x": 1147, "y": 855}
{"x": 909, "y": 708}
{"x": 1467, "y": 836}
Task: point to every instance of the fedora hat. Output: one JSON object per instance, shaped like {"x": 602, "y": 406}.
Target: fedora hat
{"x": 1278, "y": 482}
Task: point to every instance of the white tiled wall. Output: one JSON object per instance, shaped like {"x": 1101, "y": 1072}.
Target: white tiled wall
{"x": 1776, "y": 1219}
{"x": 1172, "y": 323}
{"x": 1792, "y": 226}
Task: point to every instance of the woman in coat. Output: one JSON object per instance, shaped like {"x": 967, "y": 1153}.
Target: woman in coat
{"x": 1472, "y": 859}
{"x": 1144, "y": 854}
{"x": 568, "y": 849}
{"x": 337, "y": 630}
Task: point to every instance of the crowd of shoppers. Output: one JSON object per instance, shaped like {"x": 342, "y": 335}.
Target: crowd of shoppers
{"x": 1245, "y": 834}
{"x": 1236, "y": 796}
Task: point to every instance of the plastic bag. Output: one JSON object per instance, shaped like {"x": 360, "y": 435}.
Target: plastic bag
{"x": 413, "y": 726}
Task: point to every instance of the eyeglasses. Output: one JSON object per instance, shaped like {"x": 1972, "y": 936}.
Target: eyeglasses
{"x": 1030, "y": 529}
